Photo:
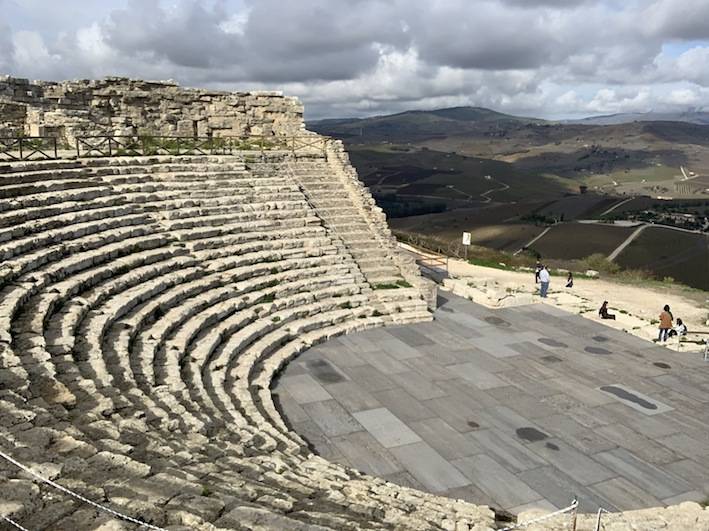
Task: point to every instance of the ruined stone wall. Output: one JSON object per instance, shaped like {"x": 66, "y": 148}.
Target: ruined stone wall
{"x": 67, "y": 109}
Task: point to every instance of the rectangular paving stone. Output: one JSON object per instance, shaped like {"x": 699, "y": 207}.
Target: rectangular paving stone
{"x": 625, "y": 494}
{"x": 687, "y": 446}
{"x": 496, "y": 481}
{"x": 324, "y": 371}
{"x": 383, "y": 362}
{"x": 559, "y": 489}
{"x": 370, "y": 378}
{"x": 417, "y": 386}
{"x": 507, "y": 451}
{"x": 573, "y": 463}
{"x": 289, "y": 407}
{"x": 479, "y": 378}
{"x": 652, "y": 479}
{"x": 448, "y": 442}
{"x": 331, "y": 418}
{"x": 410, "y": 336}
{"x": 386, "y": 428}
{"x": 635, "y": 399}
{"x": 429, "y": 468}
{"x": 403, "y": 405}
{"x": 304, "y": 388}
{"x": 641, "y": 446}
{"x": 352, "y": 396}
{"x": 397, "y": 349}
{"x": 366, "y": 454}
{"x": 314, "y": 436}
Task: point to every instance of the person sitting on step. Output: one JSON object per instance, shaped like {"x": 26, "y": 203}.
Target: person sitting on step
{"x": 603, "y": 312}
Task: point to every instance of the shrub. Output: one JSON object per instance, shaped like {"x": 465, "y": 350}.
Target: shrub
{"x": 275, "y": 318}
{"x": 386, "y": 286}
{"x": 599, "y": 262}
{"x": 346, "y": 305}
{"x": 404, "y": 283}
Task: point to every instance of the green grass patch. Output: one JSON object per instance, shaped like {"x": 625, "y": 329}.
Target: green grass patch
{"x": 386, "y": 286}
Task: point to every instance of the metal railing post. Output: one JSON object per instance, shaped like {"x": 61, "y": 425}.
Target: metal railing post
{"x": 20, "y": 148}
{"x": 54, "y": 141}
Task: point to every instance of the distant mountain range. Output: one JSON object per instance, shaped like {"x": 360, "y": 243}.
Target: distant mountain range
{"x": 692, "y": 117}
{"x": 459, "y": 120}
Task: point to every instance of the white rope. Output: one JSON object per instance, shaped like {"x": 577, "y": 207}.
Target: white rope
{"x": 522, "y": 525}
{"x": 78, "y": 496}
{"x": 12, "y": 522}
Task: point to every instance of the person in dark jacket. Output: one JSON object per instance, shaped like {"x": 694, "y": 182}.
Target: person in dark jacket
{"x": 603, "y": 312}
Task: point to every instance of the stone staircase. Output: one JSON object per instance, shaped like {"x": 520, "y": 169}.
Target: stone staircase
{"x": 146, "y": 304}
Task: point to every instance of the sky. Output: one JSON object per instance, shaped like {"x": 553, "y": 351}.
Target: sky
{"x": 543, "y": 58}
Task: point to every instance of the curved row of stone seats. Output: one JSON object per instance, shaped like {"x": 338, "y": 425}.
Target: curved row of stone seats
{"x": 138, "y": 358}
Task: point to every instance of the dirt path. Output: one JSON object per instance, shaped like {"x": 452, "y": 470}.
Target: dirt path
{"x": 636, "y": 307}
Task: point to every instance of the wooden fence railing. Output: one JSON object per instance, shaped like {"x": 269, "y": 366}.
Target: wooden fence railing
{"x": 23, "y": 148}
{"x": 28, "y": 148}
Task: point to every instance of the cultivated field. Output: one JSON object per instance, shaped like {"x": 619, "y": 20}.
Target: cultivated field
{"x": 578, "y": 240}
{"x": 669, "y": 253}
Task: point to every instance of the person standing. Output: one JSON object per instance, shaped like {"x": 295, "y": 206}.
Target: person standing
{"x": 537, "y": 270}
{"x": 665, "y": 323}
{"x": 544, "y": 281}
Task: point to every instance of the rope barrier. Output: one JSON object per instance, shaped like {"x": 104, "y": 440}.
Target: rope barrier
{"x": 521, "y": 525}
{"x": 79, "y": 497}
{"x": 13, "y": 523}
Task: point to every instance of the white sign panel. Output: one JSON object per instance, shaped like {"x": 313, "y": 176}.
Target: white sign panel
{"x": 466, "y": 238}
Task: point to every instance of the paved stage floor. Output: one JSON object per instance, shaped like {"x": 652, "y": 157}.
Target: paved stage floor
{"x": 515, "y": 408}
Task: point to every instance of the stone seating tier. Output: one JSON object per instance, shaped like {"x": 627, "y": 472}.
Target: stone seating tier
{"x": 147, "y": 303}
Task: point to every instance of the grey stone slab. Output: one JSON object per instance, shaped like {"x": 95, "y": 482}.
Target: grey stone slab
{"x": 479, "y": 378}
{"x": 324, "y": 371}
{"x": 405, "y": 480}
{"x": 386, "y": 428}
{"x": 625, "y": 494}
{"x": 369, "y": 378}
{"x": 304, "y": 388}
{"x": 494, "y": 346}
{"x": 579, "y": 391}
{"x": 352, "y": 396}
{"x": 314, "y": 436}
{"x": 366, "y": 454}
{"x": 471, "y": 494}
{"x": 683, "y": 386}
{"x": 343, "y": 358}
{"x": 507, "y": 450}
{"x": 687, "y": 446}
{"x": 431, "y": 371}
{"x": 358, "y": 343}
{"x": 383, "y": 362}
{"x": 448, "y": 442}
{"x": 641, "y": 446}
{"x": 588, "y": 441}
{"x": 521, "y": 402}
{"x": 331, "y": 418}
{"x": 652, "y": 479}
{"x": 459, "y": 411}
{"x": 403, "y": 405}
{"x": 288, "y": 405}
{"x": 572, "y": 462}
{"x": 429, "y": 468}
{"x": 410, "y": 336}
{"x": 397, "y": 349}
{"x": 506, "y": 489}
{"x": 693, "y": 471}
{"x": 560, "y": 489}
{"x": 417, "y": 385}
{"x": 635, "y": 399}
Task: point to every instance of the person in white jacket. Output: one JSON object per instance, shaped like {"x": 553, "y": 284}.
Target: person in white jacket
{"x": 544, "y": 281}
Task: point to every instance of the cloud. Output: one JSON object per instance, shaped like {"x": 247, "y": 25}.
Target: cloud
{"x": 538, "y": 57}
